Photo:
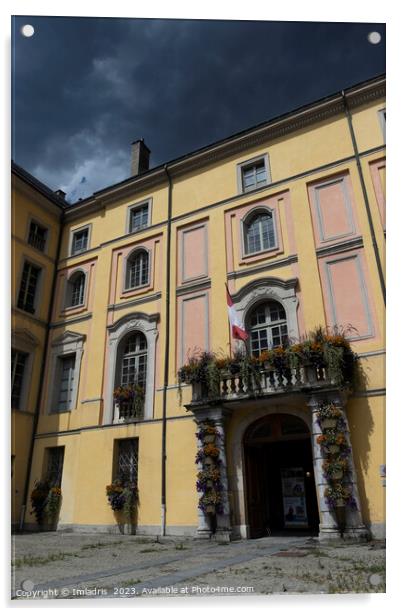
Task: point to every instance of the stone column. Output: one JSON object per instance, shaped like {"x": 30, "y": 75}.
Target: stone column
{"x": 223, "y": 526}
{"x": 204, "y": 530}
{"x": 328, "y": 523}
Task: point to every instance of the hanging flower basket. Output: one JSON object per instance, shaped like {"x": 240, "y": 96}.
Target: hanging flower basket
{"x": 328, "y": 423}
{"x": 209, "y": 438}
{"x": 208, "y": 460}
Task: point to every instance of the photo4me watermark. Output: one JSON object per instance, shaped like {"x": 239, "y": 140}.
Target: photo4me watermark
{"x": 28, "y": 591}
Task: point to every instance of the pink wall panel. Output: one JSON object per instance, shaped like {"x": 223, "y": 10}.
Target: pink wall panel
{"x": 347, "y": 299}
{"x": 193, "y": 330}
{"x": 194, "y": 253}
{"x": 332, "y": 210}
{"x": 377, "y": 170}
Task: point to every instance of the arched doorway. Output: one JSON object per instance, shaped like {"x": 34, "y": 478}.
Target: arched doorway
{"x": 280, "y": 487}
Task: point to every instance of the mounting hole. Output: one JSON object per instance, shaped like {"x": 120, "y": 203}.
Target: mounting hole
{"x": 374, "y": 37}
{"x": 27, "y": 30}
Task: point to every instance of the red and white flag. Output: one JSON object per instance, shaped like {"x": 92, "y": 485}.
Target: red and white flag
{"x": 236, "y": 325}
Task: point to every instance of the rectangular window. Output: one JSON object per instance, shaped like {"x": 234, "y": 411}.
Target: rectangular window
{"x": 29, "y": 284}
{"x": 127, "y": 460}
{"x": 66, "y": 383}
{"x": 54, "y": 471}
{"x": 37, "y": 236}
{"x": 80, "y": 241}
{"x": 139, "y": 217}
{"x": 18, "y": 363}
{"x": 253, "y": 174}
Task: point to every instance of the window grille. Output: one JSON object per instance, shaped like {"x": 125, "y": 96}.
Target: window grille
{"x": 127, "y": 463}
{"x": 55, "y": 459}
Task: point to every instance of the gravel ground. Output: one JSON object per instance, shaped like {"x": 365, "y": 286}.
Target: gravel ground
{"x": 69, "y": 565}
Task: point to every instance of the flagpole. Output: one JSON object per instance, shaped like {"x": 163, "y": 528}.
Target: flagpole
{"x": 229, "y": 326}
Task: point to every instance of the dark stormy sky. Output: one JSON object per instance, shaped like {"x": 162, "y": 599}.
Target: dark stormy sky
{"x": 85, "y": 88}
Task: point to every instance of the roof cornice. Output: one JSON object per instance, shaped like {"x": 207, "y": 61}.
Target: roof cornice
{"x": 258, "y": 135}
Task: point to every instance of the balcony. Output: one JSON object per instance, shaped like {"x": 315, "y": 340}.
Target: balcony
{"x": 129, "y": 402}
{"x": 233, "y": 387}
{"x": 322, "y": 361}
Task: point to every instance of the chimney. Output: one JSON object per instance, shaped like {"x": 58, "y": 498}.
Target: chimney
{"x": 139, "y": 157}
{"x": 60, "y": 193}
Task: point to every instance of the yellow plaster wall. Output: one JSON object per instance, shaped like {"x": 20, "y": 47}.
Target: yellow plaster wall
{"x": 84, "y": 499}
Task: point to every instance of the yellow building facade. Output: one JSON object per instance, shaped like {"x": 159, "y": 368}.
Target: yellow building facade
{"x": 290, "y": 215}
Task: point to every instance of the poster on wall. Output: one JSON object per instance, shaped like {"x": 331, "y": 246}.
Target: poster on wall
{"x": 294, "y": 499}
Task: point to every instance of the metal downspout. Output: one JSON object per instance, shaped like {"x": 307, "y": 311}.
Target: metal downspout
{"x": 365, "y": 196}
{"x": 167, "y": 348}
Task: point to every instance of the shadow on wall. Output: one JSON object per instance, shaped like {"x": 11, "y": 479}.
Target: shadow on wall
{"x": 361, "y": 425}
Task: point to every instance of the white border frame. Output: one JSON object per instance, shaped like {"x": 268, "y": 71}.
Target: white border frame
{"x": 69, "y": 343}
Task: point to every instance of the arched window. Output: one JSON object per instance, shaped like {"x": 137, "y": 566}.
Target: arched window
{"x": 259, "y": 232}
{"x": 76, "y": 289}
{"x": 268, "y": 327}
{"x": 133, "y": 361}
{"x": 137, "y": 273}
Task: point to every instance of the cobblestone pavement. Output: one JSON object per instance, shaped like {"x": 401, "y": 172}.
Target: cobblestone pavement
{"x": 72, "y": 565}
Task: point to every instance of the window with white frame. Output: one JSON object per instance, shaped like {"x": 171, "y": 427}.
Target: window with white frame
{"x": 80, "y": 241}
{"x": 253, "y": 174}
{"x": 28, "y": 287}
{"x": 37, "y": 236}
{"x": 133, "y": 361}
{"x": 18, "y": 366}
{"x": 137, "y": 269}
{"x": 267, "y": 327}
{"x": 65, "y": 383}
{"x": 139, "y": 217}
{"x": 75, "y": 290}
{"x": 64, "y": 371}
{"x": 259, "y": 232}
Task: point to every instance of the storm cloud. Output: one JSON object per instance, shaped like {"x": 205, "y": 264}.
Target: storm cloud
{"x": 85, "y": 88}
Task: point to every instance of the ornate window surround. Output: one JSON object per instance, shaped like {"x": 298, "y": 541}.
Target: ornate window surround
{"x": 68, "y": 343}
{"x": 265, "y": 289}
{"x": 147, "y": 325}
